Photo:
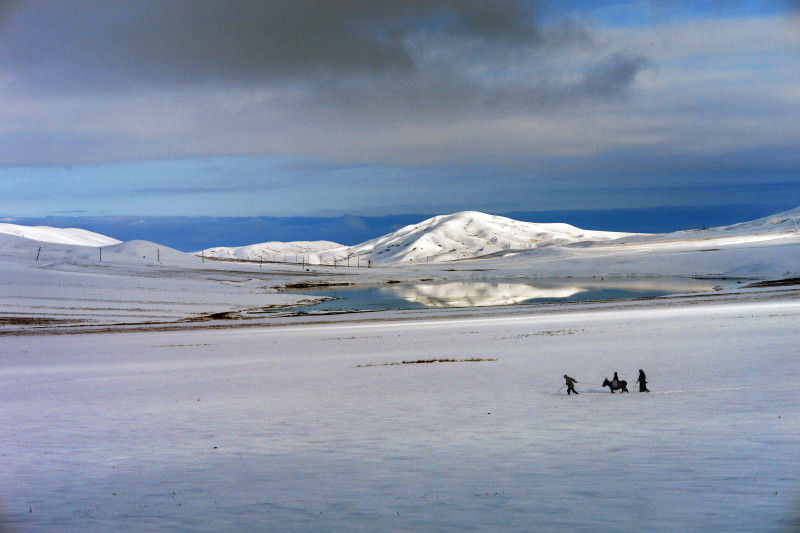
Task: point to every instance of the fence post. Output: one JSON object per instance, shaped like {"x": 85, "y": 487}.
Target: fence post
{"x": 37, "y": 253}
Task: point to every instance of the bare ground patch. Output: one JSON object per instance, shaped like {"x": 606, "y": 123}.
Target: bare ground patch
{"x": 429, "y": 361}
{"x": 544, "y": 333}
{"x": 776, "y": 282}
{"x": 314, "y": 285}
{"x": 34, "y": 320}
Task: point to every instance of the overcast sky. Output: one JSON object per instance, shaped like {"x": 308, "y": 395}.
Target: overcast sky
{"x": 366, "y": 107}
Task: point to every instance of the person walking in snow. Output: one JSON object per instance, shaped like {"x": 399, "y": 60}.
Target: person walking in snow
{"x": 642, "y": 381}
{"x": 570, "y": 384}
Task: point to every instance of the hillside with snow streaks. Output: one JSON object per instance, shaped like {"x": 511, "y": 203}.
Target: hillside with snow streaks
{"x": 474, "y": 235}
{"x": 467, "y": 235}
{"x": 69, "y": 236}
{"x": 464, "y": 235}
{"x": 273, "y": 251}
{"x": 785, "y": 220}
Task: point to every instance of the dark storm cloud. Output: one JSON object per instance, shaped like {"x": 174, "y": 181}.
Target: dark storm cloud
{"x": 613, "y": 74}
{"x": 111, "y": 44}
{"x": 94, "y": 81}
{"x": 425, "y": 52}
{"x": 5, "y": 8}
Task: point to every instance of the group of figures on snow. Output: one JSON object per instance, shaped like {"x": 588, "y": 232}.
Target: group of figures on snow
{"x": 614, "y": 384}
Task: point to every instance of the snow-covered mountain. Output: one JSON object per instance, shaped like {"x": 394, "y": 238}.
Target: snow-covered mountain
{"x": 732, "y": 250}
{"x": 69, "y": 236}
{"x": 464, "y": 235}
{"x": 468, "y": 235}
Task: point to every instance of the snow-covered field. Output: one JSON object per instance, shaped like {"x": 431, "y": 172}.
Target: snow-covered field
{"x": 132, "y": 400}
{"x": 280, "y": 429}
{"x": 48, "y": 282}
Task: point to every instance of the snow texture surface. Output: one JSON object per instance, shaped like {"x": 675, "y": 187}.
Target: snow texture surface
{"x": 280, "y": 429}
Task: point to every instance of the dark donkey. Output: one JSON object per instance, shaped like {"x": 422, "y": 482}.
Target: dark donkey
{"x": 616, "y": 384}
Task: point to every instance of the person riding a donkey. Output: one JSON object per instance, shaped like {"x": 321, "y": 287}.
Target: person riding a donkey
{"x": 616, "y": 384}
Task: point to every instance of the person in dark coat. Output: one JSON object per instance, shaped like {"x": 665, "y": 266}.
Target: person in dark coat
{"x": 570, "y": 384}
{"x": 642, "y": 381}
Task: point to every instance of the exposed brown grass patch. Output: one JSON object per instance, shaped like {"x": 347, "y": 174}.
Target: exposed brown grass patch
{"x": 429, "y": 361}
{"x": 775, "y": 283}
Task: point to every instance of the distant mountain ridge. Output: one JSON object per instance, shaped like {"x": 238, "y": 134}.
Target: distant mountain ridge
{"x": 458, "y": 236}
{"x": 462, "y": 235}
{"x": 472, "y": 234}
{"x": 190, "y": 233}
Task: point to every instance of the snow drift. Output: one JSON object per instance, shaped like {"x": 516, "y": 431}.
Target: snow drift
{"x": 70, "y": 236}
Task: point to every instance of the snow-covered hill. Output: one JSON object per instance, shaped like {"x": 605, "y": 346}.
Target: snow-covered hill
{"x": 466, "y": 235}
{"x": 767, "y": 246}
{"x": 772, "y": 227}
{"x": 51, "y": 246}
{"x": 273, "y": 251}
{"x": 70, "y": 236}
{"x": 784, "y": 221}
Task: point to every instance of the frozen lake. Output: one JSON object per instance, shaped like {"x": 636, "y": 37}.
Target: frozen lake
{"x": 420, "y": 295}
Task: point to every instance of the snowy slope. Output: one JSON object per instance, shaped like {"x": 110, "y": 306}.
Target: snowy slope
{"x": 785, "y": 220}
{"x": 81, "y": 247}
{"x": 763, "y": 229}
{"x": 469, "y": 234}
{"x": 766, "y": 247}
{"x": 71, "y": 236}
{"x": 463, "y": 235}
{"x": 145, "y": 250}
{"x": 271, "y": 251}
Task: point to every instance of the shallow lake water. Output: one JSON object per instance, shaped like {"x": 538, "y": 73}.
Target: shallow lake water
{"x": 421, "y": 295}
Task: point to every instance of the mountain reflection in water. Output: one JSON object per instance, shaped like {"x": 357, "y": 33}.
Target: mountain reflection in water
{"x": 421, "y": 295}
{"x": 478, "y": 294}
